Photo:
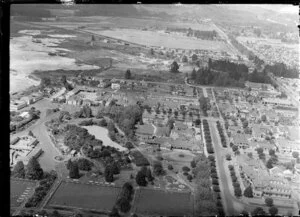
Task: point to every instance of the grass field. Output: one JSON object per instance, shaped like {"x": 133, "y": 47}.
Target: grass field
{"x": 153, "y": 38}
{"x": 159, "y": 202}
{"x": 20, "y": 189}
{"x": 84, "y": 196}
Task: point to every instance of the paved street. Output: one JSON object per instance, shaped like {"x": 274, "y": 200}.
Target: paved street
{"x": 231, "y": 203}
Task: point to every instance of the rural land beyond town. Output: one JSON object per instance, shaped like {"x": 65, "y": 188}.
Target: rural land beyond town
{"x": 154, "y": 110}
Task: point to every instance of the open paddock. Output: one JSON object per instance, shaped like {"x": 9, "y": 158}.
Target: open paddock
{"x": 158, "y": 39}
{"x": 161, "y": 202}
{"x": 19, "y": 190}
{"x": 84, "y": 196}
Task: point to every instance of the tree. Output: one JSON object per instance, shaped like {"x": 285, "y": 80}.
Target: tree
{"x": 157, "y": 168}
{"x": 174, "y": 67}
{"x": 258, "y": 211}
{"x": 149, "y": 175}
{"x": 189, "y": 177}
{"x": 186, "y": 169}
{"x": 269, "y": 164}
{"x": 115, "y": 168}
{"x": 295, "y": 154}
{"x": 273, "y": 210}
{"x": 30, "y": 133}
{"x": 141, "y": 178}
{"x": 127, "y": 74}
{"x": 108, "y": 174}
{"x": 197, "y": 122}
{"x": 184, "y": 59}
{"x": 271, "y": 152}
{"x": 259, "y": 151}
{"x": 237, "y": 192}
{"x": 263, "y": 118}
{"x": 19, "y": 170}
{"x": 74, "y": 171}
{"x": 124, "y": 204}
{"x": 170, "y": 167}
{"x": 194, "y": 57}
{"x": 93, "y": 38}
{"x": 151, "y": 51}
{"x": 248, "y": 192}
{"x": 235, "y": 148}
{"x": 84, "y": 164}
{"x": 269, "y": 201}
{"x": 193, "y": 74}
{"x": 228, "y": 157}
{"x": 250, "y": 155}
{"x": 34, "y": 170}
{"x": 193, "y": 164}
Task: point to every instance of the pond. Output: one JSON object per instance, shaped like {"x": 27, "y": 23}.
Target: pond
{"x": 101, "y": 133}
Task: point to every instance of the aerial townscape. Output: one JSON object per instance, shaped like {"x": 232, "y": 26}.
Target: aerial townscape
{"x": 154, "y": 110}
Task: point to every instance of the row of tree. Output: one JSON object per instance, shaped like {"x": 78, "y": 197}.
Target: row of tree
{"x": 235, "y": 182}
{"x": 207, "y": 198}
{"x": 41, "y": 191}
{"x": 208, "y": 141}
{"x": 221, "y": 134}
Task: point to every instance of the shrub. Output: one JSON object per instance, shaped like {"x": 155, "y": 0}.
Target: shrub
{"x": 170, "y": 167}
{"x": 186, "y": 169}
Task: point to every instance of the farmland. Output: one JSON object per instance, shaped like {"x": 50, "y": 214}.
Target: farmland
{"x": 160, "y": 202}
{"x": 19, "y": 190}
{"x": 85, "y": 196}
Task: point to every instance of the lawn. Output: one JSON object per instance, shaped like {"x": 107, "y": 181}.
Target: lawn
{"x": 85, "y": 196}
{"x": 160, "y": 202}
{"x": 20, "y": 189}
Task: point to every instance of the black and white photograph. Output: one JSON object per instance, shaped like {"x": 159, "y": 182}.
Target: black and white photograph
{"x": 154, "y": 110}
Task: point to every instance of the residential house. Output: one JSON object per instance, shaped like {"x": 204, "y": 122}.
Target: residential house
{"x": 287, "y": 146}
{"x": 241, "y": 140}
{"x": 74, "y": 100}
{"x": 58, "y": 94}
{"x": 115, "y": 86}
{"x": 17, "y": 105}
{"x": 277, "y": 102}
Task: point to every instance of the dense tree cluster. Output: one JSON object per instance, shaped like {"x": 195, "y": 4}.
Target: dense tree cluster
{"x": 77, "y": 137}
{"x": 19, "y": 170}
{"x": 84, "y": 112}
{"x": 34, "y": 170}
{"x": 202, "y": 34}
{"x": 41, "y": 191}
{"x": 139, "y": 159}
{"x": 221, "y": 133}
{"x": 84, "y": 164}
{"x": 125, "y": 116}
{"x": 258, "y": 212}
{"x": 235, "y": 182}
{"x": 144, "y": 176}
{"x": 281, "y": 70}
{"x": 248, "y": 192}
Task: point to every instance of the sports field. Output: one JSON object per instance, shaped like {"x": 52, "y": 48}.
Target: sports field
{"x": 160, "y": 202}
{"x": 84, "y": 196}
{"x": 20, "y": 190}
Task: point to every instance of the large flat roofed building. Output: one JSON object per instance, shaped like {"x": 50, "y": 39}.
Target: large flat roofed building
{"x": 17, "y": 105}
{"x": 276, "y": 101}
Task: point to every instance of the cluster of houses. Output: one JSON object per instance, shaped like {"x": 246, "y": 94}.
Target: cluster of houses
{"x": 20, "y": 147}
{"x": 16, "y": 105}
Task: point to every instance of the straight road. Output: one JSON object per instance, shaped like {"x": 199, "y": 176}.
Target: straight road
{"x": 231, "y": 203}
